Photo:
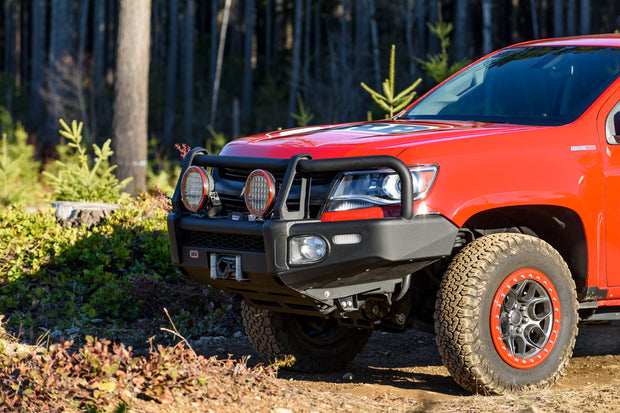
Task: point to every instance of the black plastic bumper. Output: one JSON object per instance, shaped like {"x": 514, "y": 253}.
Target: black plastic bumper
{"x": 390, "y": 249}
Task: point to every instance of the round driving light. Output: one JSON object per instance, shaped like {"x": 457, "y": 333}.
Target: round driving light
{"x": 313, "y": 249}
{"x": 307, "y": 249}
{"x": 194, "y": 188}
{"x": 260, "y": 190}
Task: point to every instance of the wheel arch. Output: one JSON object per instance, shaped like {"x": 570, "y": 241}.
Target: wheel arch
{"x": 561, "y": 227}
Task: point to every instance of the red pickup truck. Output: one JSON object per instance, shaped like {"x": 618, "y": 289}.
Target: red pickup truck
{"x": 488, "y": 212}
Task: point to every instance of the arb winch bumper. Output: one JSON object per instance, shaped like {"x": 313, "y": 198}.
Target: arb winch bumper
{"x": 253, "y": 258}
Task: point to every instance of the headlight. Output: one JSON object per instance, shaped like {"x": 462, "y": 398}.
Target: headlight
{"x": 196, "y": 184}
{"x": 366, "y": 189}
{"x": 259, "y": 192}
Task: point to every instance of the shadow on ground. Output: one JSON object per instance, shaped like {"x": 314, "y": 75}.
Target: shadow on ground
{"x": 407, "y": 361}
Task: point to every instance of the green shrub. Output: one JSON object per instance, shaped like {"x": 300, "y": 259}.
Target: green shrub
{"x": 112, "y": 280}
{"x": 164, "y": 177}
{"x": 305, "y": 116}
{"x": 438, "y": 66}
{"x": 19, "y": 172}
{"x": 77, "y": 177}
{"x": 162, "y": 174}
{"x": 217, "y": 141}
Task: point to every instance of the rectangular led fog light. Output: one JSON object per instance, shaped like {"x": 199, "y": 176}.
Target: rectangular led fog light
{"x": 347, "y": 239}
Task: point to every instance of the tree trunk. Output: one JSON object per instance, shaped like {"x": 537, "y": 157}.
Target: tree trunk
{"x": 558, "y": 18}
{"x": 534, "y": 11}
{"x": 58, "y": 48}
{"x": 268, "y": 37}
{"x": 571, "y": 18}
{"x": 22, "y": 43}
{"x": 99, "y": 24}
{"x": 316, "y": 69}
{"x": 514, "y": 21}
{"x": 421, "y": 29}
{"x": 213, "y": 46}
{"x": 246, "y": 98}
{"x": 433, "y": 16}
{"x": 187, "y": 57}
{"x": 202, "y": 16}
{"x": 158, "y": 53}
{"x": 585, "y": 17}
{"x": 9, "y": 37}
{"x": 462, "y": 43}
{"x": 306, "y": 83}
{"x": 277, "y": 33}
{"x": 334, "y": 78}
{"x": 235, "y": 119}
{"x": 70, "y": 25}
{"x": 361, "y": 57}
{"x": 131, "y": 92}
{"x": 37, "y": 71}
{"x": 84, "y": 6}
{"x": 487, "y": 26}
{"x": 219, "y": 62}
{"x": 171, "y": 71}
{"x": 374, "y": 37}
{"x": 409, "y": 24}
{"x": 111, "y": 32}
{"x": 235, "y": 36}
{"x": 59, "y": 36}
{"x": 295, "y": 69}
{"x": 347, "y": 73}
{"x": 545, "y": 31}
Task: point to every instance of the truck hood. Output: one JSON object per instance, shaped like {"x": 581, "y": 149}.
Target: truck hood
{"x": 386, "y": 137}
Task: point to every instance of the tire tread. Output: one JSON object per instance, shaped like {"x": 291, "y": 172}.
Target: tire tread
{"x": 273, "y": 338}
{"x": 458, "y": 304}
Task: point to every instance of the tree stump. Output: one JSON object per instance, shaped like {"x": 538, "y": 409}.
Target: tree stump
{"x": 73, "y": 214}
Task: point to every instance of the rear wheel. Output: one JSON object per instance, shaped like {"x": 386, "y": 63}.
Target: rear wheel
{"x": 318, "y": 344}
{"x": 506, "y": 314}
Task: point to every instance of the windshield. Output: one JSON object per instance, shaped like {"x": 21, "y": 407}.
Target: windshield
{"x": 524, "y": 85}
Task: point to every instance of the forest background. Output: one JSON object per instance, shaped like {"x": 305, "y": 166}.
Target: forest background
{"x": 237, "y": 67}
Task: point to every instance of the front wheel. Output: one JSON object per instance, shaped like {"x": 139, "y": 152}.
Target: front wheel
{"x": 318, "y": 344}
{"x": 506, "y": 314}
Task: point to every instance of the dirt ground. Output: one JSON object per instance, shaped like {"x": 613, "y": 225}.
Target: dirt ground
{"x": 405, "y": 371}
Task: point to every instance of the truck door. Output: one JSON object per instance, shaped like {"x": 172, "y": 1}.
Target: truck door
{"x": 611, "y": 129}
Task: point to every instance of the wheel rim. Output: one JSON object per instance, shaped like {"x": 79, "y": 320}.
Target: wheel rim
{"x": 320, "y": 331}
{"x": 525, "y": 318}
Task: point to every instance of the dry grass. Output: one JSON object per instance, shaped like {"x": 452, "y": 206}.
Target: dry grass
{"x": 64, "y": 381}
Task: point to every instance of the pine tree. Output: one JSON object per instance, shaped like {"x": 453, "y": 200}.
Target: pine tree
{"x": 389, "y": 101}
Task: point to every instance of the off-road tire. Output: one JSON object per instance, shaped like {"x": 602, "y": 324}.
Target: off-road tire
{"x": 276, "y": 335}
{"x": 474, "y": 282}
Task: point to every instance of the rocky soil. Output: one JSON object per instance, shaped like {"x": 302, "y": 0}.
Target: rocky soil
{"x": 403, "y": 372}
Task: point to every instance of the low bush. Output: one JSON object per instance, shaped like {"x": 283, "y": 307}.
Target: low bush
{"x": 19, "y": 172}
{"x": 79, "y": 177}
{"x": 101, "y": 376}
{"x": 112, "y": 280}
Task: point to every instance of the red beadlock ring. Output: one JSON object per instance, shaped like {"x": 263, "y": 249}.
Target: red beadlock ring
{"x": 532, "y": 292}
